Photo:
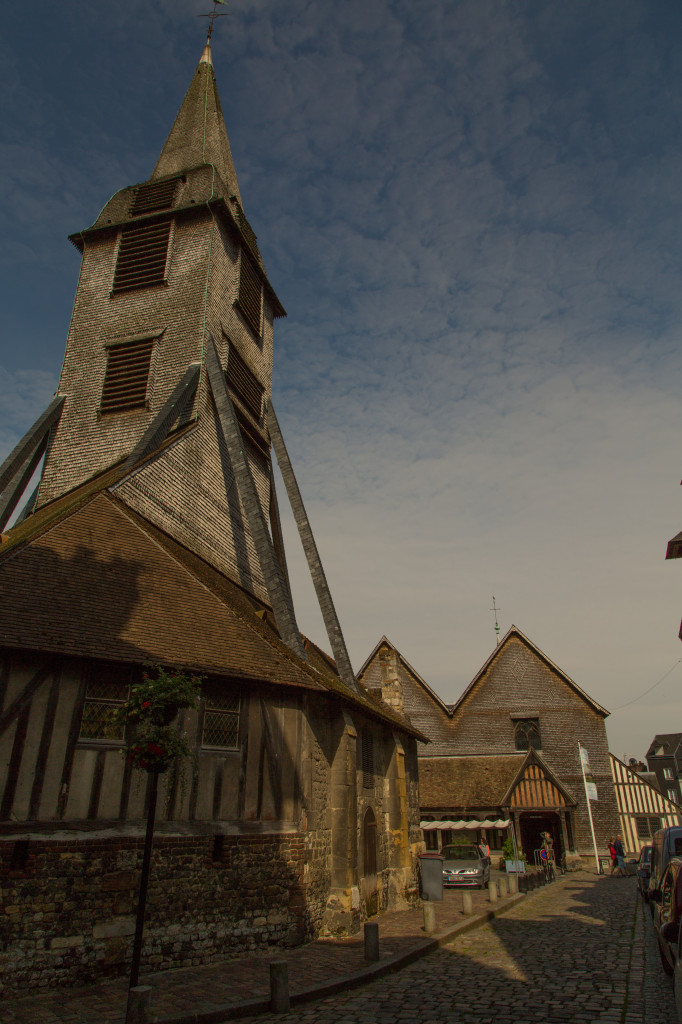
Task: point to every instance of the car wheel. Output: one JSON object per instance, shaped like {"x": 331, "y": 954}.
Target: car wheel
{"x": 667, "y": 966}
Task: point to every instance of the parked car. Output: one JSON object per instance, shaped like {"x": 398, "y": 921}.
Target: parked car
{"x": 667, "y": 912}
{"x": 465, "y": 864}
{"x": 666, "y": 843}
{"x": 643, "y": 863}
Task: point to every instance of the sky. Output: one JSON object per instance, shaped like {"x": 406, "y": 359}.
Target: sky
{"x": 471, "y": 211}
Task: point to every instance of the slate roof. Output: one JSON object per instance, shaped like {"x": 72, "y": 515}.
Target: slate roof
{"x": 670, "y": 741}
{"x": 515, "y": 631}
{"x": 467, "y": 781}
{"x": 87, "y": 576}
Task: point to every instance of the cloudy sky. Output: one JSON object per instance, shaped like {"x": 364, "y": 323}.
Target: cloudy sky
{"x": 471, "y": 212}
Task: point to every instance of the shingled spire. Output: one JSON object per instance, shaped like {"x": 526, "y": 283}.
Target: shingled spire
{"x": 198, "y": 135}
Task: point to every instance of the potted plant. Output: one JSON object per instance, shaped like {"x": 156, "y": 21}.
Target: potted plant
{"x": 510, "y": 863}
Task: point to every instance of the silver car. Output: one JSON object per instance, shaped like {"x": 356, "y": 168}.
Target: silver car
{"x": 465, "y": 864}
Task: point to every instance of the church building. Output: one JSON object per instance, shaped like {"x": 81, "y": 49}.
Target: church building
{"x": 154, "y": 539}
{"x": 504, "y": 760}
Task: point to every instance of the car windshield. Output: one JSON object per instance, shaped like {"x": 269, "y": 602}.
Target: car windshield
{"x": 463, "y": 852}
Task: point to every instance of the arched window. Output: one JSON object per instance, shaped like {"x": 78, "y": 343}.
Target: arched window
{"x": 369, "y": 843}
{"x": 527, "y": 734}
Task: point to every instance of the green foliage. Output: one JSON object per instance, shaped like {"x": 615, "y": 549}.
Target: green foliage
{"x": 508, "y": 851}
{"x": 154, "y": 744}
{"x": 159, "y": 697}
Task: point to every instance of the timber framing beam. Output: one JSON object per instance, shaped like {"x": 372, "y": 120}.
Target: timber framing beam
{"x": 10, "y": 497}
{"x": 278, "y": 593}
{"x": 331, "y": 621}
{"x": 31, "y": 440}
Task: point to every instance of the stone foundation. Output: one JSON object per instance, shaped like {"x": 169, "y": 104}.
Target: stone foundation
{"x": 67, "y": 909}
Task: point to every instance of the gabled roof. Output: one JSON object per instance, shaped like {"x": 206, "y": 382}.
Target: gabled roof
{"x": 86, "y": 576}
{"x": 477, "y": 780}
{"x": 385, "y": 642}
{"x": 515, "y": 632}
{"x": 198, "y": 135}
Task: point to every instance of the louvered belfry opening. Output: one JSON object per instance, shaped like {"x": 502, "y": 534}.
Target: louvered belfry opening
{"x": 142, "y": 256}
{"x": 244, "y": 383}
{"x": 156, "y": 195}
{"x": 126, "y": 377}
{"x": 250, "y": 293}
{"x": 367, "y": 760}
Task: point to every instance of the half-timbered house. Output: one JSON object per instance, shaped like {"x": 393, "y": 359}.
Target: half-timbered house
{"x": 154, "y": 539}
{"x": 507, "y": 751}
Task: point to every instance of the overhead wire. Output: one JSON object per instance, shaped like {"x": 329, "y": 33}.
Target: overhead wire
{"x": 657, "y": 683}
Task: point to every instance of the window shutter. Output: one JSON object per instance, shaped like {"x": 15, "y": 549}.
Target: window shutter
{"x": 250, "y": 293}
{"x": 157, "y": 195}
{"x": 244, "y": 383}
{"x": 142, "y": 256}
{"x": 126, "y": 377}
{"x": 367, "y": 760}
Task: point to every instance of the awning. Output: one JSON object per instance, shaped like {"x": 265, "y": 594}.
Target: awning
{"x": 429, "y": 826}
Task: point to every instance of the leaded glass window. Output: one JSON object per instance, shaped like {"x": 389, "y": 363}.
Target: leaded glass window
{"x": 221, "y": 719}
{"x": 107, "y": 689}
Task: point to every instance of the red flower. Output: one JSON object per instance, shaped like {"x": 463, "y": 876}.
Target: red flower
{"x": 146, "y": 704}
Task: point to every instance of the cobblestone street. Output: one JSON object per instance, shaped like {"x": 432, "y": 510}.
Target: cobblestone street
{"x": 579, "y": 950}
{"x": 582, "y": 950}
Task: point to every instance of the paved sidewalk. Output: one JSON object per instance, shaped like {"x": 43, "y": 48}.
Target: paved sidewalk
{"x": 241, "y": 986}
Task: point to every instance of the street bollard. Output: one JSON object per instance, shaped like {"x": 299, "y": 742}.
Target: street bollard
{"x": 492, "y": 891}
{"x": 372, "y": 940}
{"x": 513, "y": 884}
{"x": 139, "y": 1010}
{"x": 429, "y": 918}
{"x": 504, "y": 887}
{"x": 279, "y": 986}
{"x": 467, "y": 903}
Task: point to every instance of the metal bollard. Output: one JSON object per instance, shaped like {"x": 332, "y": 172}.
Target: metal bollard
{"x": 513, "y": 882}
{"x": 279, "y": 986}
{"x": 467, "y": 903}
{"x": 492, "y": 891}
{"x": 429, "y": 918}
{"x": 139, "y": 1009}
{"x": 371, "y": 940}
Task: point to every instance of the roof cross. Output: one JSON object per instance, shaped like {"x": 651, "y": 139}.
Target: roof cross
{"x": 213, "y": 15}
{"x": 497, "y": 626}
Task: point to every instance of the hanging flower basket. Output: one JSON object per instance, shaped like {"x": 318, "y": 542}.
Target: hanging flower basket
{"x": 156, "y": 748}
{"x": 159, "y": 697}
{"x": 155, "y": 745}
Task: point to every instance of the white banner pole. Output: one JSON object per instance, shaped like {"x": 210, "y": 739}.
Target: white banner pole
{"x": 589, "y": 809}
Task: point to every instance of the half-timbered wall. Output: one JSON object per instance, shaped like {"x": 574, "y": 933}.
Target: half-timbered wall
{"x": 265, "y": 834}
{"x": 643, "y": 809}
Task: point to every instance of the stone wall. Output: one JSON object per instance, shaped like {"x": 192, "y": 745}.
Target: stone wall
{"x": 67, "y": 908}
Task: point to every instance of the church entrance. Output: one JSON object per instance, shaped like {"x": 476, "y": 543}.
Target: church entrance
{"x": 532, "y": 825}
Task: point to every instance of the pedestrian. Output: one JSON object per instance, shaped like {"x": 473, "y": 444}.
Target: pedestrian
{"x": 620, "y": 855}
{"x": 613, "y": 855}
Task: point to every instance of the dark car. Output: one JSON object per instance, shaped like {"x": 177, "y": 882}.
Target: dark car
{"x": 667, "y": 912}
{"x": 465, "y": 864}
{"x": 643, "y": 863}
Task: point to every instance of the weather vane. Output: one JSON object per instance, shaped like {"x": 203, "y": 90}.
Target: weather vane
{"x": 497, "y": 626}
{"x": 214, "y": 14}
